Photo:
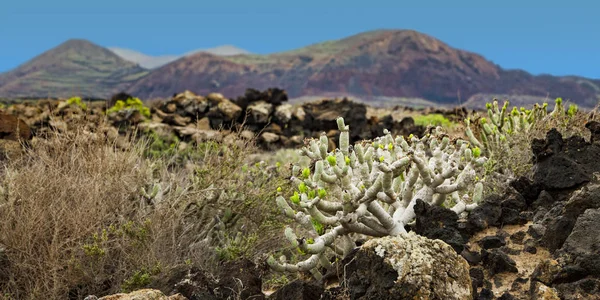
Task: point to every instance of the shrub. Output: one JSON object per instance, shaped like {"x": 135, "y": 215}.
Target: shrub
{"x": 434, "y": 120}
{"x": 130, "y": 104}
{"x": 80, "y": 216}
{"x": 77, "y": 101}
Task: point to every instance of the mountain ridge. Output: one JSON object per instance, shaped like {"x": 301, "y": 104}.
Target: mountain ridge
{"x": 152, "y": 62}
{"x": 75, "y": 67}
{"x": 380, "y": 64}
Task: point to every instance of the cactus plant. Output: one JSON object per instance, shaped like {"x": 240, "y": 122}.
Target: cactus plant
{"x": 497, "y": 129}
{"x": 370, "y": 189}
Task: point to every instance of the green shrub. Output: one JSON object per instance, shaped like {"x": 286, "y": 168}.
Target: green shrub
{"x": 434, "y": 120}
{"x": 130, "y": 104}
{"x": 77, "y": 101}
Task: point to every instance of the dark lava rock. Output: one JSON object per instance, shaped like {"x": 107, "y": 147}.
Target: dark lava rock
{"x": 273, "y": 96}
{"x": 518, "y": 237}
{"x": 585, "y": 198}
{"x": 490, "y": 242}
{"x": 561, "y": 221}
{"x": 544, "y": 199}
{"x": 594, "y": 128}
{"x": 195, "y": 284}
{"x": 472, "y": 257}
{"x": 322, "y": 115}
{"x": 506, "y": 296}
{"x": 588, "y": 288}
{"x": 530, "y": 246}
{"x": 477, "y": 277}
{"x": 526, "y": 188}
{"x": 564, "y": 164}
{"x": 510, "y": 251}
{"x": 298, "y": 290}
{"x": 496, "y": 261}
{"x": 557, "y": 232}
{"x": 485, "y": 294}
{"x": 536, "y": 231}
{"x": 436, "y": 222}
{"x": 485, "y": 214}
{"x": 583, "y": 244}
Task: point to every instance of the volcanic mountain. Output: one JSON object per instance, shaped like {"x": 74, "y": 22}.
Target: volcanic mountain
{"x": 75, "y": 67}
{"x": 370, "y": 65}
{"x": 380, "y": 66}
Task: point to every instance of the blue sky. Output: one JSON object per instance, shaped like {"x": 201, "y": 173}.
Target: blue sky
{"x": 559, "y": 38}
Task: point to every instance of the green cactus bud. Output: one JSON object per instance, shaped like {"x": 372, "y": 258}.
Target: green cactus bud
{"x": 572, "y": 110}
{"x": 476, "y": 152}
{"x": 279, "y": 189}
{"x": 483, "y": 121}
{"x": 306, "y": 173}
{"x": 331, "y": 160}
{"x": 381, "y": 159}
{"x": 488, "y": 105}
{"x": 311, "y": 194}
{"x": 390, "y": 147}
{"x": 558, "y": 101}
{"x": 295, "y": 198}
{"x": 514, "y": 112}
{"x": 302, "y": 187}
{"x": 322, "y": 193}
{"x": 347, "y": 160}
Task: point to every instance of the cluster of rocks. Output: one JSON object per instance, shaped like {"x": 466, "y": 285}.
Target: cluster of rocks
{"x": 266, "y": 115}
{"x": 192, "y": 118}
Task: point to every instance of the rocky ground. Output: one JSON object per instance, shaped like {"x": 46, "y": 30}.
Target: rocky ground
{"x": 537, "y": 239}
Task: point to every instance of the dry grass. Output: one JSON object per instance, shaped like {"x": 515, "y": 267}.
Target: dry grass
{"x": 76, "y": 220}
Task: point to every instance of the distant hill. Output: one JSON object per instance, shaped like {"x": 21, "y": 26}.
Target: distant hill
{"x": 370, "y": 65}
{"x": 151, "y": 62}
{"x": 75, "y": 67}
{"x": 382, "y": 66}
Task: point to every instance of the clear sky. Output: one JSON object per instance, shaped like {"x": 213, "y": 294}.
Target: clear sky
{"x": 552, "y": 37}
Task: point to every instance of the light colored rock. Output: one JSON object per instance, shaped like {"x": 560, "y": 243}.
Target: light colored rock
{"x": 429, "y": 269}
{"x": 269, "y": 137}
{"x": 229, "y": 109}
{"x": 299, "y": 113}
{"x": 144, "y": 294}
{"x": 203, "y": 124}
{"x": 284, "y": 112}
{"x": 247, "y": 134}
{"x": 260, "y": 111}
{"x": 543, "y": 292}
{"x": 207, "y": 135}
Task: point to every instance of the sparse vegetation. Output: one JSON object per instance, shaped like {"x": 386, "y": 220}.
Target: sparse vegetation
{"x": 130, "y": 104}
{"x": 434, "y": 120}
{"x": 89, "y": 211}
{"x": 77, "y": 223}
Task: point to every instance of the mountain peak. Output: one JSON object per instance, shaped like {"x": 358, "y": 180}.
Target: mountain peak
{"x": 95, "y": 70}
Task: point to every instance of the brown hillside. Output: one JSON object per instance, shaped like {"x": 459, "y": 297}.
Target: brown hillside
{"x": 389, "y": 63}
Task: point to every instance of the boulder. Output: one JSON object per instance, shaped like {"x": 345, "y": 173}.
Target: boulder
{"x": 144, "y": 294}
{"x": 408, "y": 266}
{"x": 13, "y": 128}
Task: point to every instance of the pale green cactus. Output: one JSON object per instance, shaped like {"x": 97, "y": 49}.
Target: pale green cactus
{"x": 371, "y": 189}
{"x": 500, "y": 125}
